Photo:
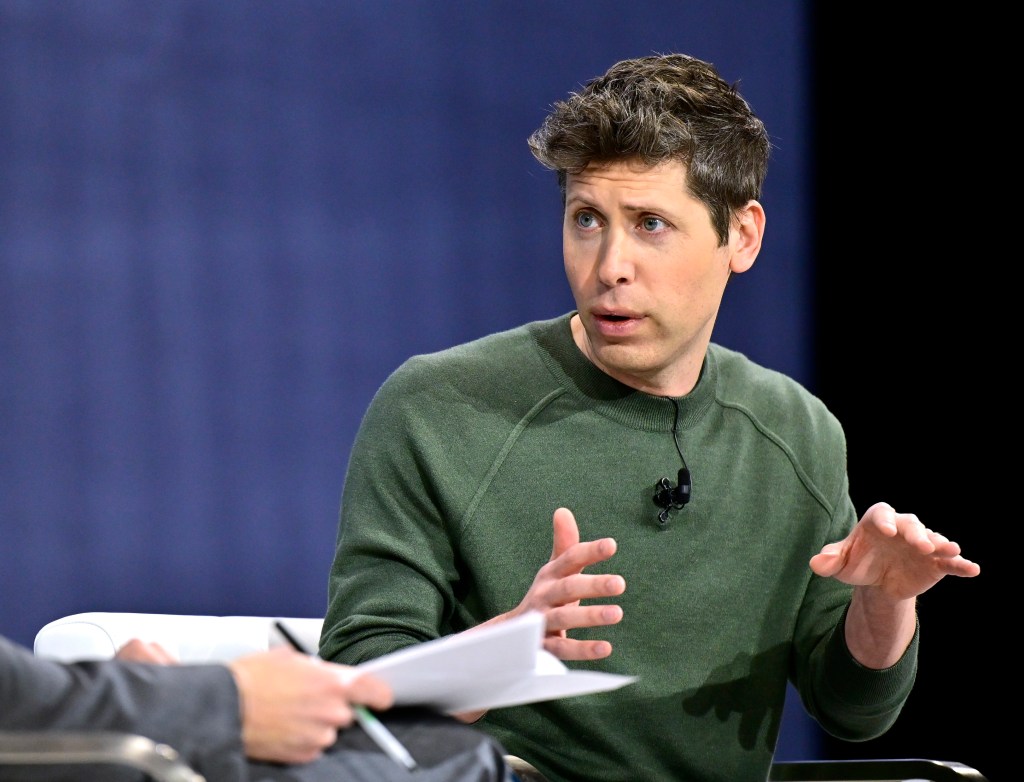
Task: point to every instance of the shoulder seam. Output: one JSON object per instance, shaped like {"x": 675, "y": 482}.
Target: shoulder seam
{"x": 506, "y": 448}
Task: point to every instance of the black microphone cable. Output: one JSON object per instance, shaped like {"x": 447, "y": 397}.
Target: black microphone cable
{"x": 669, "y": 497}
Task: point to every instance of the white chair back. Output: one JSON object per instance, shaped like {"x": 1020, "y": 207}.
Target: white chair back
{"x": 190, "y": 638}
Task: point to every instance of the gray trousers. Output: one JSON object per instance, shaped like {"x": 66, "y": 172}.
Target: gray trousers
{"x": 445, "y": 750}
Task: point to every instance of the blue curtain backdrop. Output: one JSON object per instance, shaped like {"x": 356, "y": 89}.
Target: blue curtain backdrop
{"x": 222, "y": 224}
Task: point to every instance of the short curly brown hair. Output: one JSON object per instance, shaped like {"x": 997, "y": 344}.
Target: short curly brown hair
{"x": 660, "y": 108}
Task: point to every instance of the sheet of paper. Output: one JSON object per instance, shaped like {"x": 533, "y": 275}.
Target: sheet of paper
{"x": 501, "y": 665}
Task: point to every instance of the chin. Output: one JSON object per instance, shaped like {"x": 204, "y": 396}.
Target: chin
{"x": 618, "y": 360}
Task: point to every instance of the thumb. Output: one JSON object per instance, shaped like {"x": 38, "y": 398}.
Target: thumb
{"x": 828, "y": 561}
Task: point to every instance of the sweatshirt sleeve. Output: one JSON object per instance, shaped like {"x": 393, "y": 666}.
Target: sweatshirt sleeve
{"x": 849, "y": 700}
{"x": 870, "y": 700}
{"x": 192, "y": 708}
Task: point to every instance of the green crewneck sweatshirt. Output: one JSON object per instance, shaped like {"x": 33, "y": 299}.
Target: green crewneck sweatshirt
{"x": 459, "y": 463}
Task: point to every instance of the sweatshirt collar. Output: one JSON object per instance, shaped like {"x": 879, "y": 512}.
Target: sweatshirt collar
{"x": 614, "y": 399}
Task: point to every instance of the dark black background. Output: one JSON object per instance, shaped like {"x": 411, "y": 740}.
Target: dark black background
{"x": 910, "y": 315}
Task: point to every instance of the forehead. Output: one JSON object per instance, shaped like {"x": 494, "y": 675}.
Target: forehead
{"x": 628, "y": 179}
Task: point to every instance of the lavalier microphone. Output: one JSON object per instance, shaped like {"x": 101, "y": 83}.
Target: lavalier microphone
{"x": 666, "y": 496}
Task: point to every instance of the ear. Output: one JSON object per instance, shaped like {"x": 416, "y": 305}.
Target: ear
{"x": 745, "y": 236}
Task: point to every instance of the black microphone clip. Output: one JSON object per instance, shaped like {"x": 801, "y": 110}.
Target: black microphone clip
{"x": 666, "y": 496}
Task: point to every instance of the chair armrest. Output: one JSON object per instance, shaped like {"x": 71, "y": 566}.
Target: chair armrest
{"x": 44, "y": 748}
{"x": 525, "y": 772}
{"x": 895, "y": 770}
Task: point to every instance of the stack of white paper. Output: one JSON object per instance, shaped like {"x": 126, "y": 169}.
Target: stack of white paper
{"x": 500, "y": 665}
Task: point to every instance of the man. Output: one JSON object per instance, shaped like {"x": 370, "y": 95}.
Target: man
{"x": 749, "y": 568}
{"x": 265, "y": 716}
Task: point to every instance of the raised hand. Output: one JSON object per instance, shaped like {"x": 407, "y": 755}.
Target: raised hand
{"x": 557, "y": 590}
{"x": 560, "y": 585}
{"x": 894, "y": 552}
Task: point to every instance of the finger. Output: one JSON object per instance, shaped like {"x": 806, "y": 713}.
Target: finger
{"x": 368, "y": 690}
{"x": 572, "y": 589}
{"x": 574, "y": 617}
{"x": 298, "y": 755}
{"x": 318, "y": 739}
{"x": 943, "y": 546}
{"x": 958, "y": 566}
{"x": 569, "y": 649}
{"x": 580, "y": 556}
{"x": 882, "y": 516}
{"x": 163, "y": 655}
{"x": 566, "y": 532}
{"x": 914, "y": 532}
{"x": 940, "y": 540}
{"x": 137, "y": 650}
{"x": 133, "y": 651}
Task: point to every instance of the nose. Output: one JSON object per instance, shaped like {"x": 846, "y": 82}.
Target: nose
{"x": 614, "y": 264}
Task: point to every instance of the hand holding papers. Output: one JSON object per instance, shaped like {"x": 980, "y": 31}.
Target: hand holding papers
{"x": 488, "y": 668}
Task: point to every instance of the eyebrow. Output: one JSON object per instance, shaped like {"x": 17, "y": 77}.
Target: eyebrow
{"x": 629, "y": 207}
{"x": 577, "y": 202}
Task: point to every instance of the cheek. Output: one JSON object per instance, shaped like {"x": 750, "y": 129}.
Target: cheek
{"x": 708, "y": 276}
{"x": 574, "y": 265}
{"x": 578, "y": 284}
{"x": 708, "y": 290}
{"x": 699, "y": 285}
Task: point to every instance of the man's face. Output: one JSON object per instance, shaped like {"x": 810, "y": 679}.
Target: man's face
{"x": 645, "y": 268}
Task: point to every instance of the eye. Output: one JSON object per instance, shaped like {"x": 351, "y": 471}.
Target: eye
{"x": 586, "y": 220}
{"x": 652, "y": 224}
